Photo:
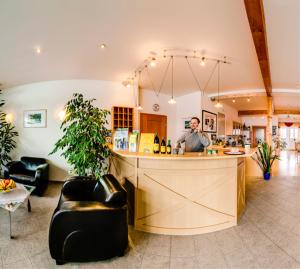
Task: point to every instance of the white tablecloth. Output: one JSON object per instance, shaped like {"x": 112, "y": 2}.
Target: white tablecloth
{"x": 17, "y": 195}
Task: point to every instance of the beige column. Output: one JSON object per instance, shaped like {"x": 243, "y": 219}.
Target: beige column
{"x": 269, "y": 120}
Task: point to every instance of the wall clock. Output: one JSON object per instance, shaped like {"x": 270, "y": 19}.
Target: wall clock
{"x": 155, "y": 107}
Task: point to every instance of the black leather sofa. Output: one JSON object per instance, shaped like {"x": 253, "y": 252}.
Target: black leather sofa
{"x": 30, "y": 171}
{"x": 90, "y": 221}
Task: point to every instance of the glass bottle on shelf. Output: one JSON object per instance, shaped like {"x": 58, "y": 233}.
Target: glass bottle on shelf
{"x": 169, "y": 147}
{"x": 156, "y": 144}
{"x": 163, "y": 146}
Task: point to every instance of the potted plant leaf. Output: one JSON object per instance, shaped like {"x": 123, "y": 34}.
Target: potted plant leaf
{"x": 83, "y": 142}
{"x": 279, "y": 144}
{"x": 265, "y": 158}
{"x": 7, "y": 138}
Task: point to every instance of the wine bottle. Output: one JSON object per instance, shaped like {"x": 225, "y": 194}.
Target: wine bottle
{"x": 156, "y": 144}
{"x": 169, "y": 147}
{"x": 163, "y": 146}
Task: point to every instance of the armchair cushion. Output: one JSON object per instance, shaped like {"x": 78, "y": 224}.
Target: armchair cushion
{"x": 31, "y": 163}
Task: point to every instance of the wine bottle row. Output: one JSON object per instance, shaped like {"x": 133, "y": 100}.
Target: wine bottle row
{"x": 161, "y": 148}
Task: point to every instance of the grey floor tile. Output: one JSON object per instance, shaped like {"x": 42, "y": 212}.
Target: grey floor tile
{"x": 155, "y": 262}
{"x": 186, "y": 263}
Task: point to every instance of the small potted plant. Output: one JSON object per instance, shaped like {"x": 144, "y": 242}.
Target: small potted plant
{"x": 265, "y": 158}
{"x": 279, "y": 144}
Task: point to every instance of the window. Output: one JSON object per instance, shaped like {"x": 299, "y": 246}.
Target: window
{"x": 283, "y": 133}
{"x": 294, "y": 133}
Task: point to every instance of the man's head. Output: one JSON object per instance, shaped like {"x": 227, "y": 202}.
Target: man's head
{"x": 194, "y": 123}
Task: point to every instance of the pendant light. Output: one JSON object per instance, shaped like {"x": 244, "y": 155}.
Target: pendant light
{"x": 172, "y": 100}
{"x": 139, "y": 107}
{"x": 218, "y": 104}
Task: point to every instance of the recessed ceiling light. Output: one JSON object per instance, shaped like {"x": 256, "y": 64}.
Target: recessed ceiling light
{"x": 38, "y": 50}
{"x": 233, "y": 100}
{"x": 248, "y": 99}
{"x": 202, "y": 62}
{"x": 102, "y": 46}
{"x": 153, "y": 62}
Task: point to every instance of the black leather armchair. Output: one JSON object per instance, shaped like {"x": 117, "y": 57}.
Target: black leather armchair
{"x": 30, "y": 171}
{"x": 90, "y": 221}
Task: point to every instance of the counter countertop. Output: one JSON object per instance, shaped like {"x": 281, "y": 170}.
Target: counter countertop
{"x": 186, "y": 156}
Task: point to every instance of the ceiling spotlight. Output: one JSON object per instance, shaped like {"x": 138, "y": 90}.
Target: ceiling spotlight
{"x": 172, "y": 101}
{"x": 38, "y": 50}
{"x": 218, "y": 105}
{"x": 153, "y": 62}
{"x": 248, "y": 99}
{"x": 102, "y": 46}
{"x": 202, "y": 62}
{"x": 233, "y": 100}
{"x": 139, "y": 108}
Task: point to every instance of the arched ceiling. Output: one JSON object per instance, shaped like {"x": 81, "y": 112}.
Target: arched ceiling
{"x": 69, "y": 32}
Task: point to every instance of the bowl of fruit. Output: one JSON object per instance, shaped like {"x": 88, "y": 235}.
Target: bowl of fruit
{"x": 7, "y": 185}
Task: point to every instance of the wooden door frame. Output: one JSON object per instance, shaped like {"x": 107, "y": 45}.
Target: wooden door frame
{"x": 254, "y": 127}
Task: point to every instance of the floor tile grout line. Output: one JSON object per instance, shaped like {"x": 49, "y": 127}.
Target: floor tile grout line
{"x": 274, "y": 242}
{"x": 248, "y": 248}
{"x": 278, "y": 224}
{"x": 220, "y": 249}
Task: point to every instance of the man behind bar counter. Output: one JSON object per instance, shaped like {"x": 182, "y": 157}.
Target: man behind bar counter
{"x": 195, "y": 140}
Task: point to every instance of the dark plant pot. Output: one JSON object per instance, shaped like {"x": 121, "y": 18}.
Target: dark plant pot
{"x": 267, "y": 175}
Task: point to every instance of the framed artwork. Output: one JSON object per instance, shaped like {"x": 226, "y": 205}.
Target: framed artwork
{"x": 209, "y": 122}
{"x": 35, "y": 118}
{"x": 187, "y": 124}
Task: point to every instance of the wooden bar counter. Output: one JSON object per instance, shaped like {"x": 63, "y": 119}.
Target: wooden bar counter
{"x": 185, "y": 194}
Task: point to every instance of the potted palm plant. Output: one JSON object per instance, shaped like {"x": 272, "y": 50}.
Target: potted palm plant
{"x": 83, "y": 143}
{"x": 7, "y": 138}
{"x": 265, "y": 158}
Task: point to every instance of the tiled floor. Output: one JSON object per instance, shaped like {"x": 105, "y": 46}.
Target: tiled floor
{"x": 268, "y": 236}
{"x": 288, "y": 164}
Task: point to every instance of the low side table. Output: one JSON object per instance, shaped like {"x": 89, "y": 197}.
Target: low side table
{"x": 13, "y": 203}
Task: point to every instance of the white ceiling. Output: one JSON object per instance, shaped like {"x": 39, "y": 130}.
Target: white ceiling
{"x": 241, "y": 103}
{"x": 69, "y": 31}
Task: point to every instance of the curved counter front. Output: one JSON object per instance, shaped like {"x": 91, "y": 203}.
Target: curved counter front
{"x": 184, "y": 194}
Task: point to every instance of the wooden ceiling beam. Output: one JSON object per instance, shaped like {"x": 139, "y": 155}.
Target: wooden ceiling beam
{"x": 286, "y": 112}
{"x": 256, "y": 18}
{"x": 252, "y": 112}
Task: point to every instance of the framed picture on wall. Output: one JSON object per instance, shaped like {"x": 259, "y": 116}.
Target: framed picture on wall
{"x": 35, "y": 118}
{"x": 209, "y": 122}
{"x": 187, "y": 124}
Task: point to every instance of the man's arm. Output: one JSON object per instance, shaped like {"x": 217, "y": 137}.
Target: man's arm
{"x": 205, "y": 141}
{"x": 181, "y": 139}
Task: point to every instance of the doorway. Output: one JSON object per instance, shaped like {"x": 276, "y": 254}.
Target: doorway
{"x": 258, "y": 135}
{"x": 152, "y": 123}
{"x": 290, "y": 135}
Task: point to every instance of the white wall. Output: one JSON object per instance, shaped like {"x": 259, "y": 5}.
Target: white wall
{"x": 187, "y": 106}
{"x": 258, "y": 120}
{"x": 53, "y": 95}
